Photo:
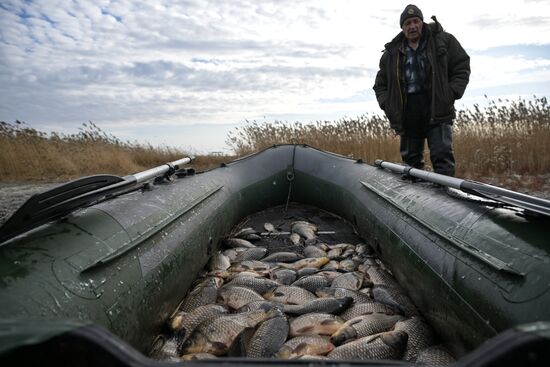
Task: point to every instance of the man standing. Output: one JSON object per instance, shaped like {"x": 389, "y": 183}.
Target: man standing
{"x": 423, "y": 70}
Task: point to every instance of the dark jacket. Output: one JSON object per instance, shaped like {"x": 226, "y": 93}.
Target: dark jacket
{"x": 450, "y": 73}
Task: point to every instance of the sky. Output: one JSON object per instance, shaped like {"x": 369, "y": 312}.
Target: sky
{"x": 185, "y": 73}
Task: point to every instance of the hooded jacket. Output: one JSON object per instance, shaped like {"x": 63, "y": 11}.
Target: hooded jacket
{"x": 450, "y": 73}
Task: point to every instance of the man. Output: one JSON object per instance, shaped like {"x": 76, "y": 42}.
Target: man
{"x": 423, "y": 70}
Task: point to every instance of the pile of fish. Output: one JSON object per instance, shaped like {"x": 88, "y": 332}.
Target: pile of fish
{"x": 319, "y": 301}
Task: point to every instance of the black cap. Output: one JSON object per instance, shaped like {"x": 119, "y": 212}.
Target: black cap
{"x": 409, "y": 12}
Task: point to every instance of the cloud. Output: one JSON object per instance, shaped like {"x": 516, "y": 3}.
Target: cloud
{"x": 135, "y": 65}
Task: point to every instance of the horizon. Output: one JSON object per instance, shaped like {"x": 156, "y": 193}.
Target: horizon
{"x": 184, "y": 75}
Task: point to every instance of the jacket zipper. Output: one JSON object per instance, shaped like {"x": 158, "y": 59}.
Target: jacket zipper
{"x": 399, "y": 82}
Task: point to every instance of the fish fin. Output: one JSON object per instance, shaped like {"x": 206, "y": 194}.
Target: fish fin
{"x": 305, "y": 329}
{"x": 301, "y": 348}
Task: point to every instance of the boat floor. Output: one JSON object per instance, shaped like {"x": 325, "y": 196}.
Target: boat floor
{"x": 332, "y": 230}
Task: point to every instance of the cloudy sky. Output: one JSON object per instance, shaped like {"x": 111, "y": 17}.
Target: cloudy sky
{"x": 183, "y": 73}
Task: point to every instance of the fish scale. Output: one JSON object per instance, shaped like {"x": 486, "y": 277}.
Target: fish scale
{"x": 258, "y": 284}
{"x": 236, "y": 297}
{"x": 436, "y": 356}
{"x": 357, "y": 296}
{"x": 312, "y": 282}
{"x": 420, "y": 336}
{"x": 269, "y": 338}
{"x": 328, "y": 305}
{"x": 315, "y": 324}
{"x": 216, "y": 336}
{"x": 362, "y": 326}
{"x": 289, "y": 295}
{"x": 184, "y": 323}
{"x": 305, "y": 345}
{"x": 381, "y": 346}
{"x": 201, "y": 295}
{"x": 366, "y": 308}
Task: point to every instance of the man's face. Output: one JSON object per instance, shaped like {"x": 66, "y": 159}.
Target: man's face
{"x": 412, "y": 28}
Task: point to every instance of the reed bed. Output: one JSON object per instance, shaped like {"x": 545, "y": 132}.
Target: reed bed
{"x": 504, "y": 138}
{"x": 27, "y": 154}
{"x": 501, "y": 140}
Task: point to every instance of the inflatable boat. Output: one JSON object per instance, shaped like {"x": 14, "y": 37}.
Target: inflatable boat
{"x": 90, "y": 271}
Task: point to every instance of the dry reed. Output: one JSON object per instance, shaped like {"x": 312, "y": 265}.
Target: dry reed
{"x": 28, "y": 154}
{"x": 511, "y": 137}
{"x": 504, "y": 139}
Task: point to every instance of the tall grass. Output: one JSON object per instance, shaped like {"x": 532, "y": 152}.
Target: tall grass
{"x": 29, "y": 154}
{"x": 508, "y": 137}
{"x": 503, "y": 138}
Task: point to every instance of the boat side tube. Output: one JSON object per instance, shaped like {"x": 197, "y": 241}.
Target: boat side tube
{"x": 472, "y": 270}
{"x": 126, "y": 263}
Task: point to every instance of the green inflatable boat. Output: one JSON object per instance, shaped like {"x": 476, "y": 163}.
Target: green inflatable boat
{"x": 91, "y": 270}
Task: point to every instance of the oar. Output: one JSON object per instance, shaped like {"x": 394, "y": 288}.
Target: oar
{"x": 62, "y": 200}
{"x": 524, "y": 201}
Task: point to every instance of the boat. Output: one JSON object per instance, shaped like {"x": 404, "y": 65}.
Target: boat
{"x": 90, "y": 271}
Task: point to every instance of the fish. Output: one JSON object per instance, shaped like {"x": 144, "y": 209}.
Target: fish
{"x": 305, "y": 345}
{"x": 283, "y": 257}
{"x": 254, "y": 265}
{"x": 316, "y": 323}
{"x": 343, "y": 246}
{"x": 164, "y": 349}
{"x": 365, "y": 309}
{"x": 204, "y": 293}
{"x": 295, "y": 238}
{"x": 334, "y": 254}
{"x": 217, "y": 335}
{"x": 330, "y": 275}
{"x": 327, "y": 305}
{"x": 348, "y": 253}
{"x": 322, "y": 246}
{"x": 269, "y": 227}
{"x": 268, "y": 338}
{"x": 379, "y": 276}
{"x": 197, "y": 356}
{"x": 244, "y": 231}
{"x": 283, "y": 276}
{"x": 263, "y": 305}
{"x": 388, "y": 345}
{"x": 251, "y": 237}
{"x": 357, "y": 296}
{"x": 257, "y": 284}
{"x": 314, "y": 251}
{"x": 237, "y": 242}
{"x": 304, "y": 229}
{"x": 306, "y": 263}
{"x": 255, "y": 253}
{"x": 332, "y": 265}
{"x": 367, "y": 264}
{"x": 232, "y": 253}
{"x": 352, "y": 281}
{"x": 363, "y": 249}
{"x": 420, "y": 336}
{"x": 363, "y": 326}
{"x": 436, "y": 356}
{"x": 219, "y": 261}
{"x": 184, "y": 323}
{"x": 348, "y": 265}
{"x": 289, "y": 295}
{"x": 303, "y": 272}
{"x": 394, "y": 298}
{"x": 236, "y": 297}
{"x": 312, "y": 282}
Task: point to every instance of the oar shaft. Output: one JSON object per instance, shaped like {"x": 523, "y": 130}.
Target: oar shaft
{"x": 157, "y": 171}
